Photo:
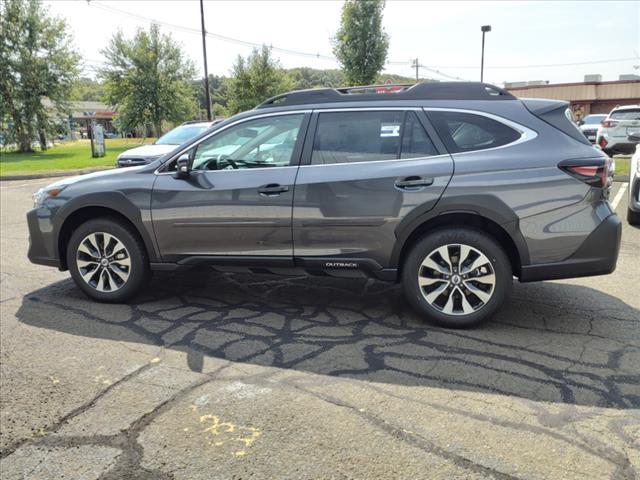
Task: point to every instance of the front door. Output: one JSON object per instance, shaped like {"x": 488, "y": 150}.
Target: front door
{"x": 366, "y": 172}
{"x": 237, "y": 199}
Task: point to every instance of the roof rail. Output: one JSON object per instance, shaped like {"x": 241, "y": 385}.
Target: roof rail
{"x": 418, "y": 91}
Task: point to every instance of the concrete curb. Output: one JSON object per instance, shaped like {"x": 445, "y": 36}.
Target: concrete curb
{"x": 58, "y": 173}
{"x": 620, "y": 178}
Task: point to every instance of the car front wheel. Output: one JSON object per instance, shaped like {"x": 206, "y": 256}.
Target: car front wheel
{"x": 457, "y": 277}
{"x": 107, "y": 260}
{"x": 633, "y": 217}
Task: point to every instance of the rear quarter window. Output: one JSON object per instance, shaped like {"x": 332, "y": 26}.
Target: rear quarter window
{"x": 466, "y": 132}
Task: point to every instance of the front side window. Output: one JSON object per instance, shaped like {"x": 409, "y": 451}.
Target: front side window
{"x": 260, "y": 143}
{"x": 463, "y": 132}
{"x": 352, "y": 137}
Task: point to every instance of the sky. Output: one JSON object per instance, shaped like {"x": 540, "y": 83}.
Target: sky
{"x": 554, "y": 41}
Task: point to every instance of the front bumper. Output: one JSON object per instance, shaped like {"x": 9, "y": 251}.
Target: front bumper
{"x": 41, "y": 238}
{"x": 597, "y": 255}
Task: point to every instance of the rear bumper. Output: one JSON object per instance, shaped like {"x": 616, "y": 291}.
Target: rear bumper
{"x": 597, "y": 255}
{"x": 620, "y": 147}
{"x": 41, "y": 245}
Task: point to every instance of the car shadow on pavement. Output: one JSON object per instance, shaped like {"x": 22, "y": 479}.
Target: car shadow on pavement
{"x": 553, "y": 342}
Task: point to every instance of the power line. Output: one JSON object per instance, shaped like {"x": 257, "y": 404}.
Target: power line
{"x": 435, "y": 69}
{"x": 238, "y": 41}
{"x": 570, "y": 64}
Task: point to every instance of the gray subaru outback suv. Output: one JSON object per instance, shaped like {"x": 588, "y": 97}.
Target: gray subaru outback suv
{"x": 450, "y": 188}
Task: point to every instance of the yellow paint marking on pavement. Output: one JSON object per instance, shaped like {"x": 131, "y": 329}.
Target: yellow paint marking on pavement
{"x": 228, "y": 433}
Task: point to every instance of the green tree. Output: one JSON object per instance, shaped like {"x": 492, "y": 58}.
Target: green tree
{"x": 38, "y": 67}
{"x": 86, "y": 89}
{"x": 255, "y": 79}
{"x": 361, "y": 43}
{"x": 148, "y": 79}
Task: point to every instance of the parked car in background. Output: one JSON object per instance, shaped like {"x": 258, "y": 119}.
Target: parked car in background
{"x": 614, "y": 131}
{"x": 450, "y": 188}
{"x": 589, "y": 125}
{"x": 170, "y": 140}
{"x": 633, "y": 212}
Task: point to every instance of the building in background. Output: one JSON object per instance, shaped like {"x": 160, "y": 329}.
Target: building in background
{"x": 591, "y": 96}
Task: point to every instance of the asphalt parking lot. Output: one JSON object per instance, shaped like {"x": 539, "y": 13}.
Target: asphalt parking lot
{"x": 217, "y": 376}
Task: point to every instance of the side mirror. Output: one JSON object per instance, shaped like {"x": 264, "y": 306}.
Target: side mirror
{"x": 580, "y": 123}
{"x": 634, "y": 137}
{"x": 183, "y": 165}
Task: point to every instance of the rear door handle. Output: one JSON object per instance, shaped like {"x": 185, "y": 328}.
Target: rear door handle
{"x": 413, "y": 183}
{"x": 272, "y": 189}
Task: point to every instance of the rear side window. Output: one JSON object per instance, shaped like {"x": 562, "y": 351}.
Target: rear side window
{"x": 465, "y": 132}
{"x": 415, "y": 141}
{"x": 626, "y": 114}
{"x": 351, "y": 137}
{"x": 348, "y": 137}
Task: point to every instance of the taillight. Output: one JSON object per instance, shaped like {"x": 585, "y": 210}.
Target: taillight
{"x": 592, "y": 172}
{"x": 602, "y": 142}
{"x": 609, "y": 123}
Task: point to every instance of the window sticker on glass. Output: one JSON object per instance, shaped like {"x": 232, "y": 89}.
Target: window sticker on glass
{"x": 390, "y": 130}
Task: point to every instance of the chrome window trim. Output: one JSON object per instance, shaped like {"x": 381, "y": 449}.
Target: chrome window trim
{"x": 241, "y": 120}
{"x": 526, "y": 134}
{"x": 353, "y": 164}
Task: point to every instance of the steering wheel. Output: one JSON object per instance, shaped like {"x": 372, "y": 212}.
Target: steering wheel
{"x": 214, "y": 163}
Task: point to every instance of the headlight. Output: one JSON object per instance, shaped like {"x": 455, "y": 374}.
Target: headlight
{"x": 50, "y": 191}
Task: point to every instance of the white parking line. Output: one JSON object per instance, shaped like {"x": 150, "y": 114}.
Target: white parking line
{"x": 618, "y": 196}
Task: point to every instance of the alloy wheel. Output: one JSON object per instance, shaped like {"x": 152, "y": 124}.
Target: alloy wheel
{"x": 103, "y": 261}
{"x": 456, "y": 279}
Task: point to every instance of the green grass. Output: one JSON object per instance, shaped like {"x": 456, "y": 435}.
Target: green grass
{"x": 73, "y": 155}
{"x": 622, "y": 165}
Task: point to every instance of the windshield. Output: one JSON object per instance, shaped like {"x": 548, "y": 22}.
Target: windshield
{"x": 180, "y": 135}
{"x": 594, "y": 119}
{"x": 630, "y": 114}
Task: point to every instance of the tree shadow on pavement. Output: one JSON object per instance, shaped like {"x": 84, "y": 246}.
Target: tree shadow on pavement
{"x": 553, "y": 342}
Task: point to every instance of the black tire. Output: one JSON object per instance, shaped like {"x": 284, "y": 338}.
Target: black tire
{"x": 633, "y": 217}
{"x": 454, "y": 236}
{"x": 138, "y": 271}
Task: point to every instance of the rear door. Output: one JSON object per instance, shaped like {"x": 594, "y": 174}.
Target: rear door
{"x": 362, "y": 172}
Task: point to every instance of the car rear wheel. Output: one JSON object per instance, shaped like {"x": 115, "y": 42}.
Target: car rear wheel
{"x": 457, "y": 277}
{"x": 633, "y": 217}
{"x": 107, "y": 260}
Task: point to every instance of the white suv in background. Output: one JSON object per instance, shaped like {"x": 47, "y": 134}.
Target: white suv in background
{"x": 613, "y": 134}
{"x": 633, "y": 213}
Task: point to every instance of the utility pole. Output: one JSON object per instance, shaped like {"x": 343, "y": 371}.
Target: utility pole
{"x": 417, "y": 66}
{"x": 207, "y": 95}
{"x": 485, "y": 29}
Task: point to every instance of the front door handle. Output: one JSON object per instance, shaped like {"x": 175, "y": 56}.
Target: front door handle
{"x": 413, "y": 183}
{"x": 272, "y": 189}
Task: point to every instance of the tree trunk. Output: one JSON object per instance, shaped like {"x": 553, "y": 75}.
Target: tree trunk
{"x": 42, "y": 136}
{"x": 24, "y": 137}
{"x": 157, "y": 126}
